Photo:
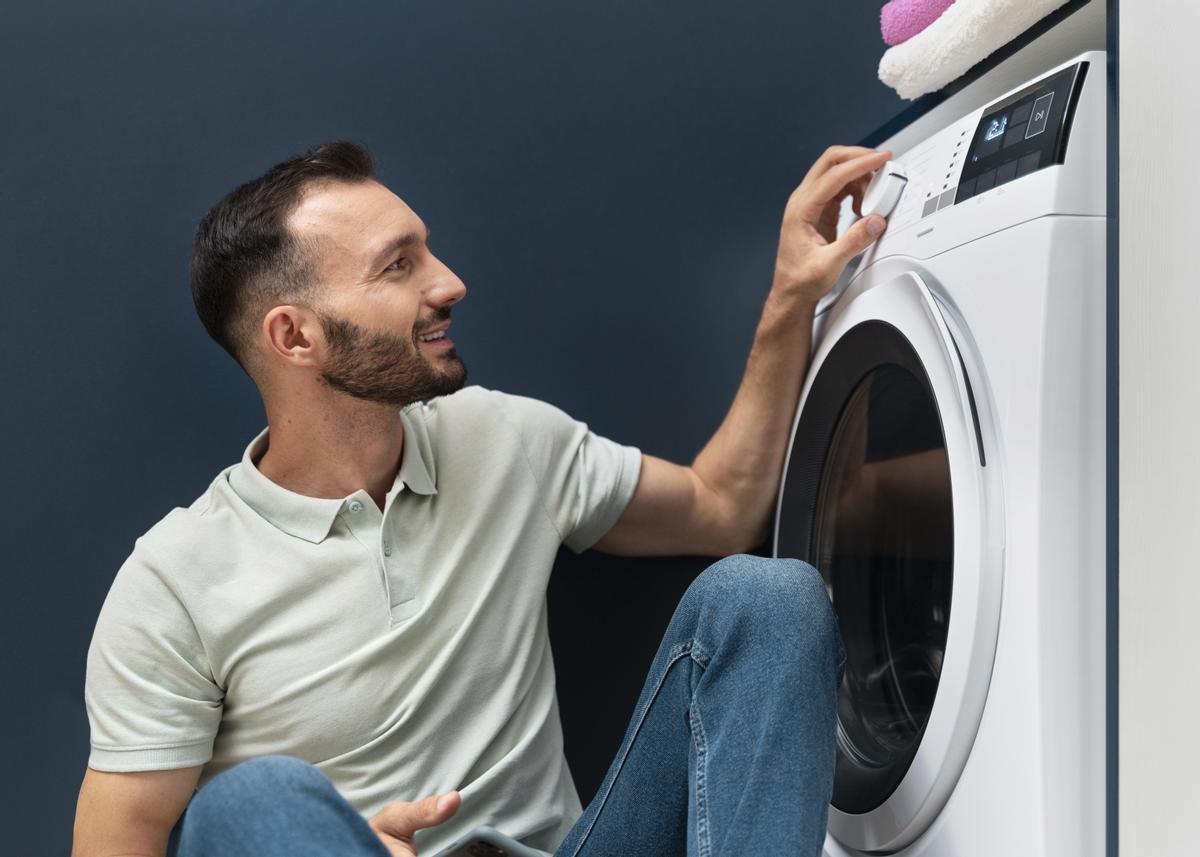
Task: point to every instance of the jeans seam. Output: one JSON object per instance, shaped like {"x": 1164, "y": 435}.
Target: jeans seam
{"x": 703, "y": 838}
{"x": 677, "y": 653}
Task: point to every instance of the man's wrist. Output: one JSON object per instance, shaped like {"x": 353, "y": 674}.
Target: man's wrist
{"x": 788, "y": 306}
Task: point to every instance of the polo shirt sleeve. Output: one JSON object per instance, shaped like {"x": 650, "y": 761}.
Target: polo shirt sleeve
{"x": 585, "y": 480}
{"x": 151, "y": 699}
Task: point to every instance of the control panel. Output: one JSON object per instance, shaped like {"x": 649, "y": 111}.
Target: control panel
{"x": 1024, "y": 132}
{"x": 973, "y": 156}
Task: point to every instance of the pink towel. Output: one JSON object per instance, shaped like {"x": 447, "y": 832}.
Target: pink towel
{"x": 900, "y": 20}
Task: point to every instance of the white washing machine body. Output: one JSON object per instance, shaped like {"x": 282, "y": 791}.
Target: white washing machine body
{"x": 971, "y": 589}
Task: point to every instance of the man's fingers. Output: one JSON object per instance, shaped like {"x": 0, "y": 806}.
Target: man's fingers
{"x": 833, "y": 184}
{"x": 847, "y": 172}
{"x": 856, "y": 239}
{"x": 402, "y": 818}
{"x": 448, "y": 804}
{"x": 436, "y": 808}
{"x": 858, "y": 189}
{"x": 831, "y": 157}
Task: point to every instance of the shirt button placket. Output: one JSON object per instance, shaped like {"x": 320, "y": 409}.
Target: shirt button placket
{"x": 367, "y": 532}
{"x": 399, "y": 575}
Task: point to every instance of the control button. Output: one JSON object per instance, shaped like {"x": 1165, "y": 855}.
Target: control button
{"x": 1006, "y": 172}
{"x": 884, "y": 191}
{"x": 1022, "y": 112}
{"x": 387, "y": 548}
{"x": 1041, "y": 115}
{"x": 1029, "y": 163}
{"x": 985, "y": 181}
{"x": 930, "y": 206}
{"x": 966, "y": 190}
{"x": 1015, "y": 135}
{"x": 946, "y": 198}
{"x": 356, "y": 506}
{"x": 987, "y": 148}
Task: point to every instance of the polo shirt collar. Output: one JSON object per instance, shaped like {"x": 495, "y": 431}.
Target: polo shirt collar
{"x": 311, "y": 518}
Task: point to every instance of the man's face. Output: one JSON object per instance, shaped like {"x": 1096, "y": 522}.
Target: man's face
{"x": 383, "y": 291}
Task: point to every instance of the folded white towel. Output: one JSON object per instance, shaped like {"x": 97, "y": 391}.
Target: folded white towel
{"x": 961, "y": 36}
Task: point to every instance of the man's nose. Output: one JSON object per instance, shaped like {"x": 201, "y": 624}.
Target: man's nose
{"x": 448, "y": 288}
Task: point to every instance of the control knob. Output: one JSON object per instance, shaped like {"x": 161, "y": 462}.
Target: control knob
{"x": 885, "y": 188}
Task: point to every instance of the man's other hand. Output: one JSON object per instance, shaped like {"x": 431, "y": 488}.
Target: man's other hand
{"x": 396, "y": 823}
{"x": 811, "y": 256}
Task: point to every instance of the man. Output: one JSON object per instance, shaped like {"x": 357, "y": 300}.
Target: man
{"x": 353, "y": 616}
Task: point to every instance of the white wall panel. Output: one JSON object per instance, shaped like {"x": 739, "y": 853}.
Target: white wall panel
{"x": 1159, "y": 446}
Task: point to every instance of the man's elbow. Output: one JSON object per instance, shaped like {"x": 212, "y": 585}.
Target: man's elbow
{"x": 725, "y": 523}
{"x": 744, "y": 535}
{"x": 747, "y": 541}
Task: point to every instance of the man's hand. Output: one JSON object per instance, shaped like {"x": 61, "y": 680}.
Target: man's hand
{"x": 396, "y": 823}
{"x": 811, "y": 257}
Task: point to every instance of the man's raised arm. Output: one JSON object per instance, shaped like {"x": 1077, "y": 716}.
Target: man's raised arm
{"x": 722, "y": 503}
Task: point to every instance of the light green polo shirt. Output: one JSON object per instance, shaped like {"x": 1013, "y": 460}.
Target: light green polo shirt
{"x": 403, "y": 652}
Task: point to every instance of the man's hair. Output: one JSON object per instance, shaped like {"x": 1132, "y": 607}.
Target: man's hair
{"x": 245, "y": 259}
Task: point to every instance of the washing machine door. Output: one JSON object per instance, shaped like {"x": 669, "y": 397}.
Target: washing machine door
{"x": 887, "y": 489}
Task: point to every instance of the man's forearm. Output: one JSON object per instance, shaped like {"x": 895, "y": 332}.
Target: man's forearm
{"x": 741, "y": 465}
{"x": 743, "y": 461}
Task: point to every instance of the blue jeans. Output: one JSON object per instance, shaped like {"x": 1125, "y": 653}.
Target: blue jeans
{"x": 730, "y": 749}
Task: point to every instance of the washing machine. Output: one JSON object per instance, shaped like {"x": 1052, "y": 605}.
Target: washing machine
{"x": 946, "y": 474}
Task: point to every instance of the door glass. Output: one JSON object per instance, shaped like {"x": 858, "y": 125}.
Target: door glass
{"x": 884, "y": 541}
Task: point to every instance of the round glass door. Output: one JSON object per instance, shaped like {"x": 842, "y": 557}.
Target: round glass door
{"x": 877, "y": 494}
{"x": 887, "y": 492}
{"x": 883, "y": 538}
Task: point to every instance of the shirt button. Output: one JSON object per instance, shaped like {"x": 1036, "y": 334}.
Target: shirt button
{"x": 387, "y": 549}
{"x": 355, "y": 506}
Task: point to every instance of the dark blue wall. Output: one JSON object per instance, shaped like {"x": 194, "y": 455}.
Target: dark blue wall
{"x": 607, "y": 178}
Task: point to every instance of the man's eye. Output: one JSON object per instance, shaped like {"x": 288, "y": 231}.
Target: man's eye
{"x": 398, "y": 264}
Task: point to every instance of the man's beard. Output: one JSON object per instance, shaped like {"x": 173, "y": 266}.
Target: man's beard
{"x": 386, "y": 368}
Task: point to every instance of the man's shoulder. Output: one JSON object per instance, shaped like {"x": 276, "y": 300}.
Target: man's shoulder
{"x": 191, "y": 533}
{"x": 478, "y": 401}
{"x": 477, "y": 427}
{"x": 479, "y": 408}
{"x": 472, "y": 398}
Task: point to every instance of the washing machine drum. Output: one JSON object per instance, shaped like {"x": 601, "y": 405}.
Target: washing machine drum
{"x": 886, "y": 493}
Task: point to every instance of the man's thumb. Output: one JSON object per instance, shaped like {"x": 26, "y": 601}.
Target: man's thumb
{"x": 859, "y": 237}
{"x": 447, "y": 805}
{"x": 436, "y": 808}
{"x": 402, "y": 818}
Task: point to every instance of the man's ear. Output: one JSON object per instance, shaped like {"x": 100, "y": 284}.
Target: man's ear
{"x": 294, "y": 334}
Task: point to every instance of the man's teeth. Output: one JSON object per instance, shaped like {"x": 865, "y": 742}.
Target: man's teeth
{"x": 432, "y": 336}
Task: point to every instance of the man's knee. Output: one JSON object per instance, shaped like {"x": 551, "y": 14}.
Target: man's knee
{"x": 257, "y": 779}
{"x": 776, "y": 596}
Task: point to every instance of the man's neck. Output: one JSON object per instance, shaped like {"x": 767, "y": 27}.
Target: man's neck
{"x": 333, "y": 453}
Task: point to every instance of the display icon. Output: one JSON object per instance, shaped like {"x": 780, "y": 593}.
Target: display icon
{"x": 996, "y": 128}
{"x": 1040, "y": 116}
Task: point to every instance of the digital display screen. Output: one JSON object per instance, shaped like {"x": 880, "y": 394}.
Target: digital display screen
{"x": 991, "y": 135}
{"x": 996, "y": 128}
